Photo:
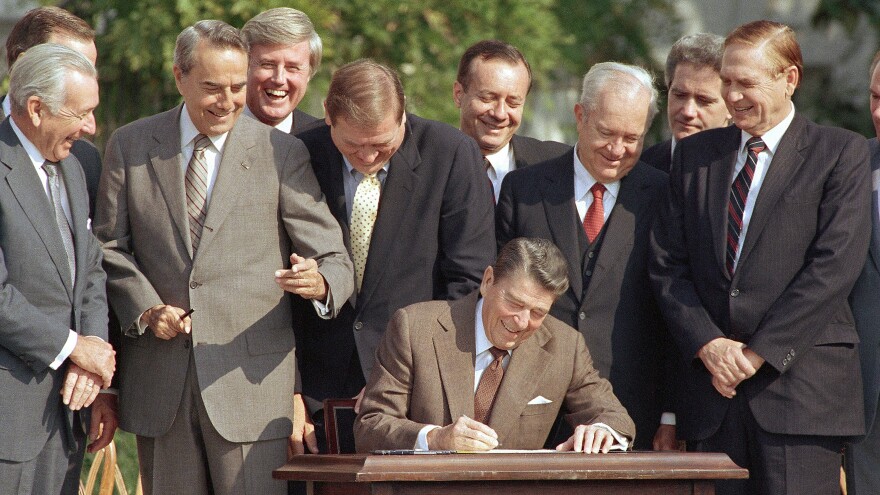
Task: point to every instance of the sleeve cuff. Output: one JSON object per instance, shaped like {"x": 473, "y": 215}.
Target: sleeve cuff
{"x": 667, "y": 418}
{"x": 422, "y": 440}
{"x": 65, "y": 351}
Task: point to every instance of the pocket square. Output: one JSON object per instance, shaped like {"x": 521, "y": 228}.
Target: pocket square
{"x": 539, "y": 400}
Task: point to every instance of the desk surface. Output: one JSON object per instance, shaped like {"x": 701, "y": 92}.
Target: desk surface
{"x": 537, "y": 466}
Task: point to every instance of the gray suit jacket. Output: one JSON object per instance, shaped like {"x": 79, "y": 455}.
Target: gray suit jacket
{"x": 39, "y": 304}
{"x": 865, "y": 301}
{"x": 424, "y": 374}
{"x": 265, "y": 205}
{"x": 90, "y": 161}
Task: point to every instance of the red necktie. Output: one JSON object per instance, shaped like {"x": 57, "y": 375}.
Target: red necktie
{"x": 739, "y": 194}
{"x": 595, "y": 216}
{"x": 489, "y": 382}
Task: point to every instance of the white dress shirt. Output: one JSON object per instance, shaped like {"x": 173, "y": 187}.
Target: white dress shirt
{"x": 501, "y": 163}
{"x": 583, "y": 198}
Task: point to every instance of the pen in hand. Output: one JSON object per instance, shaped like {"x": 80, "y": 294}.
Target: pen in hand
{"x": 188, "y": 312}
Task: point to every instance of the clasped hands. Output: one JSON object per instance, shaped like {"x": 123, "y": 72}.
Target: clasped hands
{"x": 468, "y": 434}
{"x": 91, "y": 368}
{"x": 730, "y": 362}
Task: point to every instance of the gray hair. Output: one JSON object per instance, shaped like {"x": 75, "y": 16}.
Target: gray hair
{"x": 285, "y": 26}
{"x": 700, "y": 49}
{"x": 42, "y": 71}
{"x": 621, "y": 76}
{"x": 537, "y": 258}
{"x": 216, "y": 33}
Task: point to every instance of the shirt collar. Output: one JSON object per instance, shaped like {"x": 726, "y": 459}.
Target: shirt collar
{"x": 284, "y": 126}
{"x": 772, "y": 137}
{"x": 188, "y": 132}
{"x": 481, "y": 342}
{"x": 583, "y": 180}
{"x": 7, "y": 106}
{"x": 29, "y": 147}
{"x": 672, "y": 146}
{"x": 357, "y": 175}
{"x": 501, "y": 159}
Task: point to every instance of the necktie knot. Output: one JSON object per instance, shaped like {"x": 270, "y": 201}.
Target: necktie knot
{"x": 201, "y": 143}
{"x": 598, "y": 191}
{"x": 51, "y": 168}
{"x": 486, "y": 164}
{"x": 755, "y": 145}
{"x": 497, "y": 354}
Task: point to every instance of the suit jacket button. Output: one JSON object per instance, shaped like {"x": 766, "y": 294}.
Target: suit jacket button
{"x": 582, "y": 315}
{"x": 591, "y": 254}
{"x": 358, "y": 325}
{"x": 193, "y": 285}
{"x": 589, "y": 273}
{"x": 734, "y": 293}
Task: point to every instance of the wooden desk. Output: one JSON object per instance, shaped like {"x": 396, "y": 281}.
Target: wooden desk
{"x": 632, "y": 473}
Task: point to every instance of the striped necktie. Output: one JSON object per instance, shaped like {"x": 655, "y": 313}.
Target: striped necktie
{"x": 196, "y": 185}
{"x": 739, "y": 194}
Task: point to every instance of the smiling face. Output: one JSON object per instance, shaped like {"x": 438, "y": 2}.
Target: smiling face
{"x": 214, "y": 89}
{"x": 513, "y": 308}
{"x": 54, "y": 134}
{"x": 278, "y": 77}
{"x": 492, "y": 104}
{"x": 610, "y": 137}
{"x": 367, "y": 149}
{"x": 695, "y": 102}
{"x": 758, "y": 96}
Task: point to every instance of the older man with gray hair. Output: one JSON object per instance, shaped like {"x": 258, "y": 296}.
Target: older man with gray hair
{"x": 54, "y": 357}
{"x": 284, "y": 54}
{"x": 694, "y": 103}
{"x": 597, "y": 203}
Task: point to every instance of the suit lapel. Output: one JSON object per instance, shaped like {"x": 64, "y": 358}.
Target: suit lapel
{"x": 456, "y": 351}
{"x": 782, "y": 168}
{"x": 25, "y": 185}
{"x": 874, "y": 249}
{"x": 720, "y": 172}
{"x": 232, "y": 172}
{"x": 559, "y": 207}
{"x": 520, "y": 384}
{"x": 165, "y": 159}
{"x": 394, "y": 204}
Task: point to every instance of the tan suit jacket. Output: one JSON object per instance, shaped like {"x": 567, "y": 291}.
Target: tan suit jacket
{"x": 265, "y": 204}
{"x": 424, "y": 374}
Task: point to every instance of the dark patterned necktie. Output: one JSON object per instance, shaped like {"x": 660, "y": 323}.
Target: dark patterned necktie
{"x": 739, "y": 194}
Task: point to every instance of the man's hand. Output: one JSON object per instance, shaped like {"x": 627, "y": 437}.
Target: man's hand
{"x": 358, "y": 399}
{"x": 303, "y": 430}
{"x": 464, "y": 434}
{"x": 80, "y": 387}
{"x": 94, "y": 355}
{"x": 166, "y": 322}
{"x": 104, "y": 422}
{"x": 728, "y": 365}
{"x": 588, "y": 439}
{"x": 664, "y": 438}
{"x": 303, "y": 278}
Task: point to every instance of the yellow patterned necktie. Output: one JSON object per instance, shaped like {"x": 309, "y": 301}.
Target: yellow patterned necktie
{"x": 363, "y": 216}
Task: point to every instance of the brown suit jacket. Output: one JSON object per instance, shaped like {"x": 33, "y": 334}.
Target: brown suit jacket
{"x": 424, "y": 374}
{"x": 265, "y": 204}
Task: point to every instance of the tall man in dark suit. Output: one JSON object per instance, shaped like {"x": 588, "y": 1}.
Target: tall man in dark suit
{"x": 609, "y": 300}
{"x": 54, "y": 357}
{"x": 55, "y": 25}
{"x": 694, "y": 101}
{"x": 863, "y": 456}
{"x": 416, "y": 214}
{"x": 490, "y": 91}
{"x": 762, "y": 239}
{"x": 198, "y": 208}
{"x": 284, "y": 53}
{"x": 494, "y": 356}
